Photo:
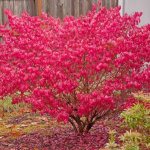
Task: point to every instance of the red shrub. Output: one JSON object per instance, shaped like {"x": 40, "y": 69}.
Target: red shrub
{"x": 78, "y": 69}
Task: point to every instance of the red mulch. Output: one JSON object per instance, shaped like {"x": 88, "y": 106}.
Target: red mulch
{"x": 60, "y": 139}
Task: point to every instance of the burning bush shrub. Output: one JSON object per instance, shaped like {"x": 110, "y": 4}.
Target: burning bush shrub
{"x": 77, "y": 70}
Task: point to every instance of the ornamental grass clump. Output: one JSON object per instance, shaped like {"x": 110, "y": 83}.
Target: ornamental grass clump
{"x": 78, "y": 70}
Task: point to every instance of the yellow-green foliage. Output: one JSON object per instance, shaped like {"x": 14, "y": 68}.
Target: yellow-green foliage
{"x": 137, "y": 120}
{"x": 112, "y": 145}
{"x": 137, "y": 117}
{"x": 6, "y": 104}
{"x": 131, "y": 140}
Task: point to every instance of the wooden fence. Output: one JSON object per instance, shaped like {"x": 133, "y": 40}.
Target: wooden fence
{"x": 56, "y": 8}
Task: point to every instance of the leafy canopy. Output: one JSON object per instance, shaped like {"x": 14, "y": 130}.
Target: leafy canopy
{"x": 75, "y": 69}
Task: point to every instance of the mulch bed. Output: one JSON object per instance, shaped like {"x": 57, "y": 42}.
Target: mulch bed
{"x": 60, "y": 139}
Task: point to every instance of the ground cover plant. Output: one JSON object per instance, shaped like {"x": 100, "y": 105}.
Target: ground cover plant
{"x": 136, "y": 121}
{"x": 78, "y": 70}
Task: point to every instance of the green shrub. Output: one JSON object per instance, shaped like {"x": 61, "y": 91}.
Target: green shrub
{"x": 137, "y": 120}
{"x": 137, "y": 117}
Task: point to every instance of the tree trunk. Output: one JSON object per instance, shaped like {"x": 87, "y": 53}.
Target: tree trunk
{"x": 81, "y": 127}
{"x": 89, "y": 126}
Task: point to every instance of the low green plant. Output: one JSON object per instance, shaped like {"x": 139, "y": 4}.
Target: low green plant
{"x": 137, "y": 120}
{"x": 6, "y": 104}
{"x": 137, "y": 117}
{"x": 112, "y": 145}
{"x": 7, "y": 107}
{"x": 131, "y": 140}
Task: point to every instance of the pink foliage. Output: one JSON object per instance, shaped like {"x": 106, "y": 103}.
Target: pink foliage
{"x": 73, "y": 68}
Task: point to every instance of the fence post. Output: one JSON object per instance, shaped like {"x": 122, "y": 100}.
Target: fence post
{"x": 39, "y": 7}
